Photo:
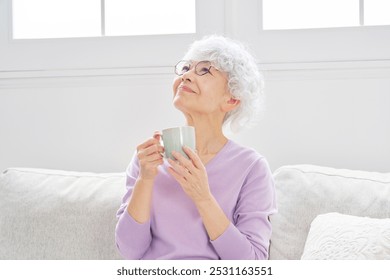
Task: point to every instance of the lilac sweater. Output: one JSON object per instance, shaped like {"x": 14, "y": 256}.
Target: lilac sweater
{"x": 241, "y": 182}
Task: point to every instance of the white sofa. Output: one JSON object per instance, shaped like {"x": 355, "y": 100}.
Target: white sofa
{"x": 51, "y": 214}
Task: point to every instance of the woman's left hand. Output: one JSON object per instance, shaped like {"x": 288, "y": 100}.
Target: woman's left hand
{"x": 191, "y": 175}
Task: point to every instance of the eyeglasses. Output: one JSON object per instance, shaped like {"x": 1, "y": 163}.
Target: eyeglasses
{"x": 201, "y": 68}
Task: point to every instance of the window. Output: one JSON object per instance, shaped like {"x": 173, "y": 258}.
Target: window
{"x": 376, "y": 12}
{"x": 300, "y": 14}
{"x": 81, "y": 37}
{"x": 107, "y": 49}
{"x": 311, "y": 47}
{"x": 124, "y": 17}
{"x": 37, "y": 19}
{"x": 55, "y": 18}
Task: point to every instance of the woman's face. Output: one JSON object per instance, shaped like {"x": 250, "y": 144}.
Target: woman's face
{"x": 206, "y": 94}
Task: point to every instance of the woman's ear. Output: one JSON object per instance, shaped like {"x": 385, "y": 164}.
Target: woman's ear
{"x": 233, "y": 101}
{"x": 231, "y": 104}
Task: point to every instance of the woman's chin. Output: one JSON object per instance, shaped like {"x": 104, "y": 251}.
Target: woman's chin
{"x": 178, "y": 102}
{"x": 180, "y": 105}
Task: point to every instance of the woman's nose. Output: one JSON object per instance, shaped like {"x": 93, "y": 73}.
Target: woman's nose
{"x": 187, "y": 76}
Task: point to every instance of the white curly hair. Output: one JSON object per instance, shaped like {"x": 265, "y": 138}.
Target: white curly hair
{"x": 245, "y": 81}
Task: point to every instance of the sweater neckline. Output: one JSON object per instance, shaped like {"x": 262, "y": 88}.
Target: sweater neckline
{"x": 220, "y": 152}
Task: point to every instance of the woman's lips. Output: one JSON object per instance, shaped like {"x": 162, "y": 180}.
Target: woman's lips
{"x": 187, "y": 89}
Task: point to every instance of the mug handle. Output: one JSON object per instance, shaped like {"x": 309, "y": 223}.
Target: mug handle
{"x": 161, "y": 142}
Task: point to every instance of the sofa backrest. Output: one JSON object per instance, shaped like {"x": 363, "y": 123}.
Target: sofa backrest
{"x": 50, "y": 214}
{"x": 305, "y": 191}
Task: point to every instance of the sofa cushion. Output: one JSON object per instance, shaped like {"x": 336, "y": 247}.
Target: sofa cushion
{"x": 335, "y": 236}
{"x": 305, "y": 191}
{"x": 49, "y": 214}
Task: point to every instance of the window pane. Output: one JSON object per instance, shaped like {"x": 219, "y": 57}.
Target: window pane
{"x": 55, "y": 18}
{"x": 297, "y": 14}
{"x": 135, "y": 17}
{"x": 376, "y": 12}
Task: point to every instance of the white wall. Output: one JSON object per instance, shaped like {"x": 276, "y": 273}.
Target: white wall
{"x": 336, "y": 117}
{"x": 90, "y": 123}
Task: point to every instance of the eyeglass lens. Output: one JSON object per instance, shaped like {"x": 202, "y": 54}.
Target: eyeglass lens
{"x": 201, "y": 68}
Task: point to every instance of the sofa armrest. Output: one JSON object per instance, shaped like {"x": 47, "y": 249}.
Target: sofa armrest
{"x": 52, "y": 214}
{"x": 305, "y": 191}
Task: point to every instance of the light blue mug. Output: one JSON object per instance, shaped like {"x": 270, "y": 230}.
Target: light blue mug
{"x": 173, "y": 139}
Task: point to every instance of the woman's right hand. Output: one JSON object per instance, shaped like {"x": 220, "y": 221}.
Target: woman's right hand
{"x": 150, "y": 157}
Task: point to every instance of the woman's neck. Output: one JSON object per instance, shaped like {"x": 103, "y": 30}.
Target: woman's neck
{"x": 209, "y": 138}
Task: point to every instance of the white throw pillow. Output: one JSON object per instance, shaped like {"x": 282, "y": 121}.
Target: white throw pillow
{"x": 335, "y": 236}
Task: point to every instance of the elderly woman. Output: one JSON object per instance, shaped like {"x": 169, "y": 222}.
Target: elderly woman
{"x": 216, "y": 204}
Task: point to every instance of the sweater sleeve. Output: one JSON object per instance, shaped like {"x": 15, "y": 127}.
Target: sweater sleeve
{"x": 248, "y": 235}
{"x": 132, "y": 238}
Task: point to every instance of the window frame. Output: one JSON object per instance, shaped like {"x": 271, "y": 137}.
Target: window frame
{"x": 114, "y": 52}
{"x": 336, "y": 48}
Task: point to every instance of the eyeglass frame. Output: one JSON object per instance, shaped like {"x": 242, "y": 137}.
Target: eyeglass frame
{"x": 196, "y": 72}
